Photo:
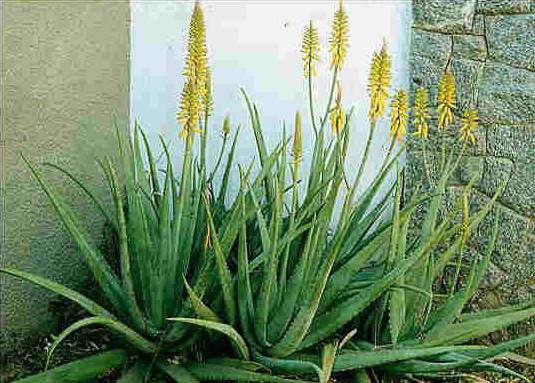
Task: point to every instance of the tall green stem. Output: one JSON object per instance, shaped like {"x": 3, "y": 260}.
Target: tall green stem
{"x": 317, "y": 155}
{"x": 426, "y": 163}
{"x": 457, "y": 161}
{"x": 219, "y": 158}
{"x": 310, "y": 100}
{"x": 331, "y": 95}
{"x": 351, "y": 193}
{"x": 389, "y": 153}
{"x": 443, "y": 150}
{"x": 203, "y": 142}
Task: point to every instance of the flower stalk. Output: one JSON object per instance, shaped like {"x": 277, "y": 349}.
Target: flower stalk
{"x": 310, "y": 50}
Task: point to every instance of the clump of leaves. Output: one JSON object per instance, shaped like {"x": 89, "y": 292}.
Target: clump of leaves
{"x": 320, "y": 294}
{"x": 298, "y": 288}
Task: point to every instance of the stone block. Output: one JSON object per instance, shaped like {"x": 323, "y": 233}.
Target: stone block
{"x": 497, "y": 173}
{"x": 469, "y": 168}
{"x": 428, "y": 59}
{"x": 501, "y": 7}
{"x": 467, "y": 74}
{"x": 444, "y": 16}
{"x": 469, "y": 47}
{"x": 511, "y": 40}
{"x": 511, "y": 141}
{"x": 506, "y": 95}
{"x": 478, "y": 25}
{"x": 520, "y": 191}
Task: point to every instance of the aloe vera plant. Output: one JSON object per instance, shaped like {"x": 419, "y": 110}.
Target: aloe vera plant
{"x": 280, "y": 284}
{"x": 307, "y": 282}
{"x": 161, "y": 228}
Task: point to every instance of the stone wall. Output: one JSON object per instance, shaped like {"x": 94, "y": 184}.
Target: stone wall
{"x": 65, "y": 72}
{"x": 490, "y": 48}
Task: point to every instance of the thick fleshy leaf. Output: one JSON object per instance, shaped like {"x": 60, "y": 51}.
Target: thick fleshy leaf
{"x": 100, "y": 268}
{"x": 212, "y": 372}
{"x": 81, "y": 370}
{"x": 222, "y": 328}
{"x": 177, "y": 372}
{"x": 82, "y": 300}
{"x": 130, "y": 335}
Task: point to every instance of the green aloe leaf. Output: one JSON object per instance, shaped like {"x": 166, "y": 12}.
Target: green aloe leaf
{"x": 97, "y": 201}
{"x": 81, "y": 370}
{"x": 135, "y": 374}
{"x": 177, "y": 372}
{"x": 89, "y": 305}
{"x": 289, "y": 365}
{"x": 124, "y": 254}
{"x": 209, "y": 372}
{"x": 130, "y": 335}
{"x": 464, "y": 331}
{"x": 100, "y": 268}
{"x": 225, "y": 276}
{"x": 327, "y": 323}
{"x": 358, "y": 360}
{"x": 225, "y": 329}
{"x": 202, "y": 310}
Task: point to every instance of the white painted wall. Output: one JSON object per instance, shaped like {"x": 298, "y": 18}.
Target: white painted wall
{"x": 256, "y": 45}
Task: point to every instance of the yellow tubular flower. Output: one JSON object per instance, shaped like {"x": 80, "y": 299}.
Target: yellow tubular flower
{"x": 470, "y": 121}
{"x": 310, "y": 50}
{"x": 337, "y": 114}
{"x": 298, "y": 139}
{"x": 446, "y": 100}
{"x": 194, "y": 95}
{"x": 339, "y": 38}
{"x": 421, "y": 114}
{"x": 378, "y": 83}
{"x": 190, "y": 109}
{"x": 400, "y": 115}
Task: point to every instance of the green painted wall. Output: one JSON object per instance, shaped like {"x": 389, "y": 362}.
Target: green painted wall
{"x": 65, "y": 74}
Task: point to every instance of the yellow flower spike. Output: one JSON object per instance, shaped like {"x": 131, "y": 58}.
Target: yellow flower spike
{"x": 194, "y": 99}
{"x": 470, "y": 121}
{"x": 339, "y": 37}
{"x": 446, "y": 100}
{"x": 226, "y": 126}
{"x": 421, "y": 114}
{"x": 298, "y": 139}
{"x": 379, "y": 82}
{"x": 310, "y": 50}
{"x": 400, "y": 115}
{"x": 190, "y": 110}
{"x": 337, "y": 114}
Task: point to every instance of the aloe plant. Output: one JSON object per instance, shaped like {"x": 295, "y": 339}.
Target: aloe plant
{"x": 306, "y": 282}
{"x": 280, "y": 285}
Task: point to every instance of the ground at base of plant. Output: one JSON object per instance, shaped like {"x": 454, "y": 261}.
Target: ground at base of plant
{"x": 30, "y": 359}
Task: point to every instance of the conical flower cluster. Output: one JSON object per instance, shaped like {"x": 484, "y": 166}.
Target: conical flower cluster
{"x": 378, "y": 83}
{"x": 420, "y": 114}
{"x": 196, "y": 72}
{"x": 337, "y": 114}
{"x": 446, "y": 100}
{"x": 339, "y": 37}
{"x": 400, "y": 115}
{"x": 310, "y": 50}
{"x": 469, "y": 124}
